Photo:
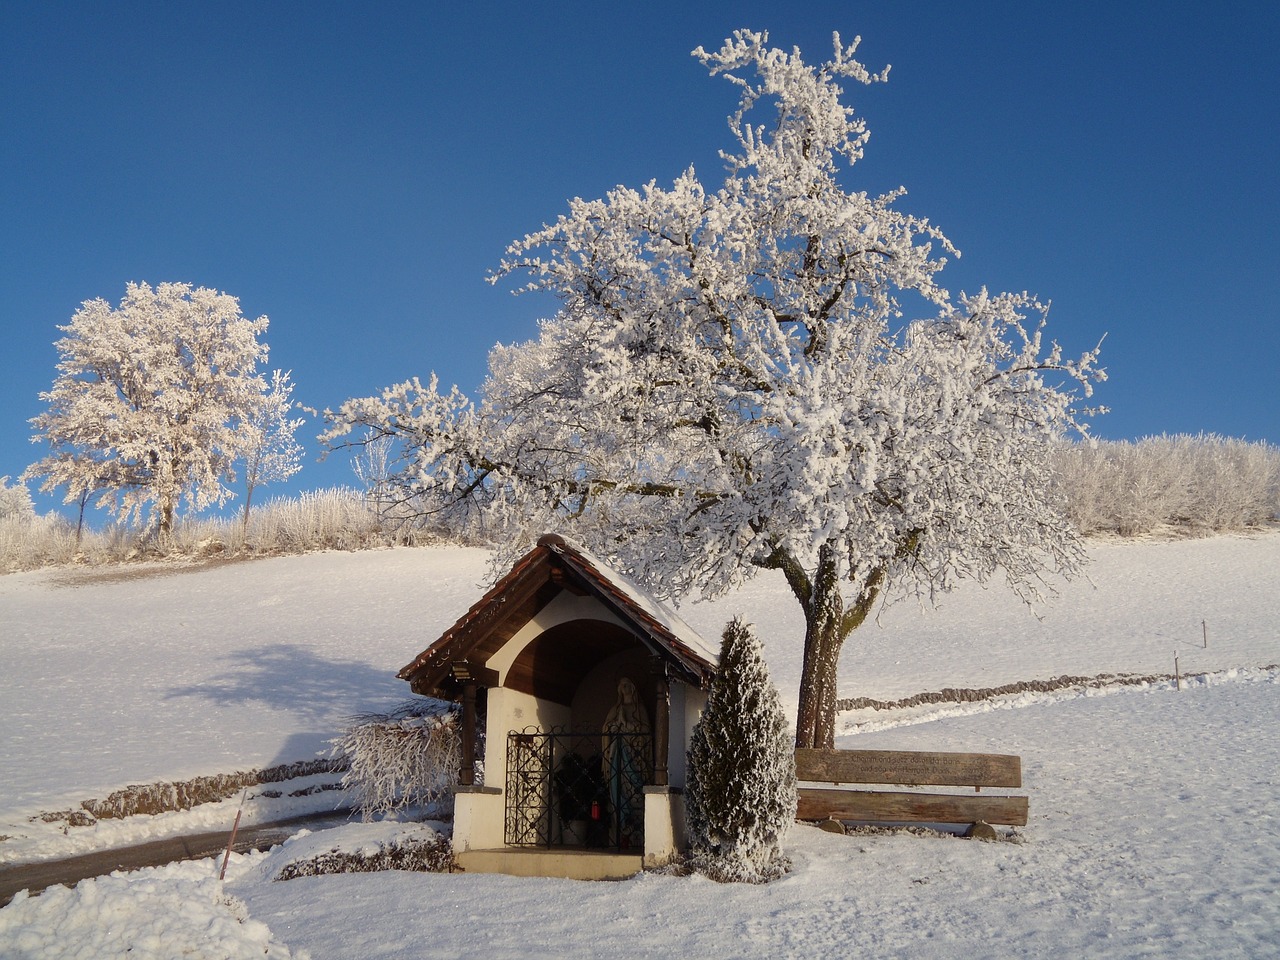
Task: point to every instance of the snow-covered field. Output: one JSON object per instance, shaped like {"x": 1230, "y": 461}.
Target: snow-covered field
{"x": 1155, "y": 814}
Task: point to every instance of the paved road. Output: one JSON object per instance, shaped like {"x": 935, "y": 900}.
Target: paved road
{"x": 36, "y": 876}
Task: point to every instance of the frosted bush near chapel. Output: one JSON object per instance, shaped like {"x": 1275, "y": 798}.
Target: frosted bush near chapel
{"x": 741, "y": 795}
{"x": 404, "y": 758}
{"x": 733, "y": 383}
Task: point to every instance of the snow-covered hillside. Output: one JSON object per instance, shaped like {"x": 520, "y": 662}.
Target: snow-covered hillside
{"x": 1153, "y": 813}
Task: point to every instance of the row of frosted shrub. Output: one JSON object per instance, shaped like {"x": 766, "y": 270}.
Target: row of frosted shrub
{"x": 335, "y": 519}
{"x": 28, "y": 542}
{"x": 1197, "y": 484}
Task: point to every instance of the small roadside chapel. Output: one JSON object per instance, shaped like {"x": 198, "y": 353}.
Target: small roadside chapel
{"x": 579, "y": 693}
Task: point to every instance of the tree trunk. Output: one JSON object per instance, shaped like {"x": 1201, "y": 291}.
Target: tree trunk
{"x": 816, "y": 718}
{"x": 84, "y": 500}
{"x": 823, "y": 638}
{"x": 826, "y": 625}
{"x": 167, "y": 494}
{"x": 248, "y": 498}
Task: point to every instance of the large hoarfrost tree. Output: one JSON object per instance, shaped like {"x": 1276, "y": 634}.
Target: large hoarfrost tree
{"x": 736, "y": 382}
{"x": 151, "y": 400}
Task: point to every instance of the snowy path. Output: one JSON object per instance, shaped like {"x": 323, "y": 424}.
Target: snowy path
{"x": 38, "y": 876}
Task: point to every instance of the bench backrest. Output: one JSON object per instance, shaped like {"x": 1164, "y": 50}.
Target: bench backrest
{"x": 909, "y": 767}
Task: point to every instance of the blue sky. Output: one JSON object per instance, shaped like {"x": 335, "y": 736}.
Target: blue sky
{"x": 353, "y": 171}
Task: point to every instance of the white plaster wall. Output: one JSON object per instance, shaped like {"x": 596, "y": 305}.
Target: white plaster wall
{"x": 478, "y": 821}
{"x": 687, "y": 704}
{"x": 665, "y": 832}
{"x": 664, "y": 829}
{"x": 510, "y": 710}
{"x": 479, "y": 818}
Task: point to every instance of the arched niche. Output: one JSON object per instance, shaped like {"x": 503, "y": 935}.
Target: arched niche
{"x": 554, "y": 664}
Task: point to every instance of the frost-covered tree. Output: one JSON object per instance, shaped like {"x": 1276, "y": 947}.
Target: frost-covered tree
{"x": 1203, "y": 483}
{"x": 735, "y": 382}
{"x": 15, "y": 502}
{"x": 273, "y": 453}
{"x": 151, "y": 399}
{"x": 373, "y": 469}
{"x": 740, "y": 798}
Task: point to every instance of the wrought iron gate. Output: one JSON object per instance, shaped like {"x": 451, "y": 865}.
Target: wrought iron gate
{"x": 579, "y": 788}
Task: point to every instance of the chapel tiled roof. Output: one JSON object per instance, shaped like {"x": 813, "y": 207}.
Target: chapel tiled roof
{"x": 516, "y": 596}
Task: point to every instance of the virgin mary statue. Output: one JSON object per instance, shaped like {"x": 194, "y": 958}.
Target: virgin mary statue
{"x": 626, "y": 759}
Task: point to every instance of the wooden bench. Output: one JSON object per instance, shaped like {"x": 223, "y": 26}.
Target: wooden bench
{"x": 914, "y": 769}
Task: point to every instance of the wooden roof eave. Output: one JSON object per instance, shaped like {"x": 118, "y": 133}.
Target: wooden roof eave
{"x": 432, "y": 668}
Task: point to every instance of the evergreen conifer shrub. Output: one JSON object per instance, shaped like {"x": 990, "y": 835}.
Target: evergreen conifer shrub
{"x": 740, "y": 798}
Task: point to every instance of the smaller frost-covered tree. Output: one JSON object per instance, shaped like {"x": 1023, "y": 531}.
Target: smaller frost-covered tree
{"x": 151, "y": 400}
{"x": 372, "y": 468}
{"x": 741, "y": 795}
{"x": 15, "y": 502}
{"x": 274, "y": 453}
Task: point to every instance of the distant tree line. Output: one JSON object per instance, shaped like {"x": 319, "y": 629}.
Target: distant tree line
{"x": 1198, "y": 484}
